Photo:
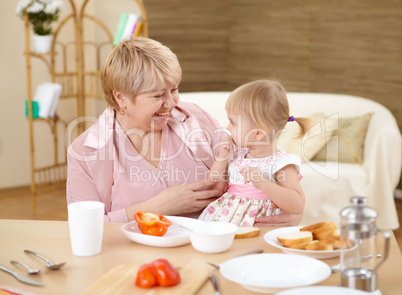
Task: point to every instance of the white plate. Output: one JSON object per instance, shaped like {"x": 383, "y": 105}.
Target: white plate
{"x": 271, "y": 273}
{"x": 270, "y": 238}
{"x": 319, "y": 290}
{"x": 175, "y": 236}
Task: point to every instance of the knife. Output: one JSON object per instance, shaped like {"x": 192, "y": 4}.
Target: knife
{"x": 214, "y": 281}
{"x": 20, "y": 277}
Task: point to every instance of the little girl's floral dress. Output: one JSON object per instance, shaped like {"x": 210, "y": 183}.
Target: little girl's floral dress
{"x": 243, "y": 203}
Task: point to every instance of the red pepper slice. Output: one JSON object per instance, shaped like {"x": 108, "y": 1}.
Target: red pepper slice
{"x": 158, "y": 273}
{"x": 146, "y": 277}
{"x": 151, "y": 223}
{"x": 166, "y": 273}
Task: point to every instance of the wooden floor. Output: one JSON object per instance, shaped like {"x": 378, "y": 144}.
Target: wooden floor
{"x": 17, "y": 203}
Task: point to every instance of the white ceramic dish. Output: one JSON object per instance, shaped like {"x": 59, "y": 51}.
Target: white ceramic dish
{"x": 175, "y": 236}
{"x": 271, "y": 273}
{"x": 270, "y": 238}
{"x": 319, "y": 290}
{"x": 212, "y": 237}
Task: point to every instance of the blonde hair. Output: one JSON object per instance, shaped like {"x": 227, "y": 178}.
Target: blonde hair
{"x": 136, "y": 66}
{"x": 266, "y": 103}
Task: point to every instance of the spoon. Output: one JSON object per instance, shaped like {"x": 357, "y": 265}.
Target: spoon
{"x": 30, "y": 270}
{"x": 49, "y": 265}
{"x": 186, "y": 228}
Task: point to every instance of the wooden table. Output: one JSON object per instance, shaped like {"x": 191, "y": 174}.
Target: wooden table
{"x": 51, "y": 238}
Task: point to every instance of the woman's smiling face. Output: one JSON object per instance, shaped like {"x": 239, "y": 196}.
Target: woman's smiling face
{"x": 150, "y": 111}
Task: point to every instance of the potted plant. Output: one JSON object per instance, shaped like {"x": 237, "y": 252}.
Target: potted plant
{"x": 41, "y": 15}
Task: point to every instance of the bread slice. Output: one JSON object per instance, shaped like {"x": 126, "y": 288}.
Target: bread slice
{"x": 334, "y": 241}
{"x": 331, "y": 227}
{"x": 325, "y": 247}
{"x": 313, "y": 245}
{"x": 295, "y": 238}
{"x": 317, "y": 225}
{"x": 301, "y": 246}
{"x": 325, "y": 235}
{"x": 245, "y": 232}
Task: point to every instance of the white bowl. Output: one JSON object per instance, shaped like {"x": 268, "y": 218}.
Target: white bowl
{"x": 213, "y": 237}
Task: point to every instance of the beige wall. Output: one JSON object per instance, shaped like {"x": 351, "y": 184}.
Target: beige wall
{"x": 348, "y": 46}
{"x": 335, "y": 46}
{"x": 14, "y": 140}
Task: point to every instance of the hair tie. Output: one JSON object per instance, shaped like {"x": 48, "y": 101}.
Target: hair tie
{"x": 291, "y": 119}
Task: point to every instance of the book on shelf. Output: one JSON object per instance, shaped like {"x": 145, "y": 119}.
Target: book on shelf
{"x": 130, "y": 24}
{"x": 47, "y": 96}
{"x": 35, "y": 109}
{"x": 57, "y": 92}
{"x": 120, "y": 28}
{"x": 137, "y": 29}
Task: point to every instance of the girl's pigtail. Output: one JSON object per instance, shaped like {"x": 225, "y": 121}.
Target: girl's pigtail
{"x": 305, "y": 124}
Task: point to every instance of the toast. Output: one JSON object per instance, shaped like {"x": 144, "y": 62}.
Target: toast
{"x": 317, "y": 225}
{"x": 306, "y": 246}
{"x": 335, "y": 242}
{"x": 245, "y": 232}
{"x": 313, "y": 245}
{"x": 295, "y": 238}
{"x": 324, "y": 237}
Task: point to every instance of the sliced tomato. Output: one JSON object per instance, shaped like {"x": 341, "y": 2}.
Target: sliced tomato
{"x": 151, "y": 223}
{"x": 146, "y": 277}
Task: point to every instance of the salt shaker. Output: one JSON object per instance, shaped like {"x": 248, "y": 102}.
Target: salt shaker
{"x": 360, "y": 245}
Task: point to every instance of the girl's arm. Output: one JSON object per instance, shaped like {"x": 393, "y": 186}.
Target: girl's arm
{"x": 287, "y": 194}
{"x": 219, "y": 170}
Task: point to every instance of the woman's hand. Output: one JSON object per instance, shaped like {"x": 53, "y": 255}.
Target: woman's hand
{"x": 283, "y": 219}
{"x": 178, "y": 199}
{"x": 188, "y": 198}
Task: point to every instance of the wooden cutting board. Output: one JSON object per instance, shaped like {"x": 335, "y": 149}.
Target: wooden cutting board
{"x": 120, "y": 281}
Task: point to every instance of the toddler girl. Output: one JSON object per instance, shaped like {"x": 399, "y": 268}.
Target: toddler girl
{"x": 260, "y": 180}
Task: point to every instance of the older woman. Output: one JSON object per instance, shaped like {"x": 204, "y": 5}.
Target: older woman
{"x": 147, "y": 151}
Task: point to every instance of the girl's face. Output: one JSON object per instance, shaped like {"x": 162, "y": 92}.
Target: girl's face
{"x": 242, "y": 128}
{"x": 150, "y": 110}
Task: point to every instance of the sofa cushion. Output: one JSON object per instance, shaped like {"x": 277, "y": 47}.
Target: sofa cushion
{"x": 347, "y": 143}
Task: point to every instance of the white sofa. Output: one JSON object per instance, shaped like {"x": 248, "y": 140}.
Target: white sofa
{"x": 329, "y": 185}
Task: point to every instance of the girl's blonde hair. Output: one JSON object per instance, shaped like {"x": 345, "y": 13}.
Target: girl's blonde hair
{"x": 136, "y": 66}
{"x": 266, "y": 103}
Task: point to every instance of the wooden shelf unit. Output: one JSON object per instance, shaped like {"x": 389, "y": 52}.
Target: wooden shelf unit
{"x": 79, "y": 84}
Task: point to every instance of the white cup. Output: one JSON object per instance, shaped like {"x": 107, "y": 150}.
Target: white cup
{"x": 85, "y": 220}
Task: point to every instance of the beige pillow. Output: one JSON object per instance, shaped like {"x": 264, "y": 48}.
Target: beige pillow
{"x": 347, "y": 144}
{"x": 313, "y": 141}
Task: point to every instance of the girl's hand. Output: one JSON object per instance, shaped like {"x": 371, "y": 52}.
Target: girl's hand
{"x": 252, "y": 174}
{"x": 283, "y": 219}
{"x": 225, "y": 147}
